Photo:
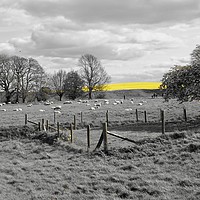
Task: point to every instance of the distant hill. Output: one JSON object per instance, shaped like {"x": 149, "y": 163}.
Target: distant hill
{"x": 119, "y": 94}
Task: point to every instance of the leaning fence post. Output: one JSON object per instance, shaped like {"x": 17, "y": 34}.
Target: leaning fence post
{"x": 163, "y": 121}
{"x": 71, "y": 132}
{"x": 136, "y": 113}
{"x": 88, "y": 137}
{"x": 185, "y": 114}
{"x": 107, "y": 117}
{"x": 105, "y": 138}
{"x": 26, "y": 119}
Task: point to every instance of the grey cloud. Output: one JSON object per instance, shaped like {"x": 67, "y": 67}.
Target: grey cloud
{"x": 116, "y": 11}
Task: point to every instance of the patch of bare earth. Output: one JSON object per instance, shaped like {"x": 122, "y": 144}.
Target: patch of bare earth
{"x": 36, "y": 166}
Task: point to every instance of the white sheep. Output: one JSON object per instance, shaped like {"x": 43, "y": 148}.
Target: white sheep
{"x": 97, "y": 105}
{"x": 67, "y": 102}
{"x": 41, "y": 110}
{"x": 92, "y": 108}
{"x": 4, "y": 110}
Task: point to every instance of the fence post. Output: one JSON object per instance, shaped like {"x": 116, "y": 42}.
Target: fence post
{"x": 58, "y": 129}
{"x": 145, "y": 116}
{"x": 81, "y": 117}
{"x": 74, "y": 122}
{"x": 163, "y": 121}
{"x": 136, "y": 113}
{"x": 105, "y": 138}
{"x": 71, "y": 132}
{"x": 185, "y": 114}
{"x": 39, "y": 126}
{"x": 88, "y": 137}
{"x": 43, "y": 128}
{"x": 47, "y": 125}
{"x": 26, "y": 119}
{"x": 107, "y": 117}
{"x": 54, "y": 117}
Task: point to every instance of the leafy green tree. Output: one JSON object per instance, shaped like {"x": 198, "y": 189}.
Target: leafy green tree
{"x": 93, "y": 74}
{"x": 73, "y": 86}
{"x": 183, "y": 82}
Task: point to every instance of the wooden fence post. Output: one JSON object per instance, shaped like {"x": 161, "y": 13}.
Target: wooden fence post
{"x": 47, "y": 125}
{"x": 81, "y": 117}
{"x": 58, "y": 129}
{"x": 26, "y": 119}
{"x": 43, "y": 128}
{"x": 107, "y": 117}
{"x": 136, "y": 113}
{"x": 74, "y": 122}
{"x": 105, "y": 138}
{"x": 39, "y": 126}
{"x": 88, "y": 137}
{"x": 163, "y": 121}
{"x": 54, "y": 117}
{"x": 71, "y": 132}
{"x": 145, "y": 116}
{"x": 185, "y": 114}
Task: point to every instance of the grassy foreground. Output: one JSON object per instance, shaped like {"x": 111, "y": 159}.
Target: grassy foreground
{"x": 158, "y": 167}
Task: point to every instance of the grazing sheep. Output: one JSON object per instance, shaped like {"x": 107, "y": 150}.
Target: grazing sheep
{"x": 128, "y": 109}
{"x": 19, "y": 109}
{"x": 1, "y": 104}
{"x": 140, "y": 104}
{"x": 67, "y": 102}
{"x": 57, "y": 111}
{"x": 29, "y": 105}
{"x": 4, "y": 110}
{"x": 57, "y": 108}
{"x": 85, "y": 101}
{"x": 15, "y": 109}
{"x": 47, "y": 103}
{"x": 97, "y": 105}
{"x": 92, "y": 108}
{"x": 106, "y": 101}
{"x": 117, "y": 102}
{"x": 42, "y": 110}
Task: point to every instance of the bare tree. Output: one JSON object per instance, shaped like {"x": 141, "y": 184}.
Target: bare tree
{"x": 7, "y": 77}
{"x": 93, "y": 74}
{"x": 58, "y": 81}
{"x": 33, "y": 78}
{"x": 19, "y": 70}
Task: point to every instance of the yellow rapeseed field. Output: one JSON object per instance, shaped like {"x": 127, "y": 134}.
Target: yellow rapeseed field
{"x": 133, "y": 85}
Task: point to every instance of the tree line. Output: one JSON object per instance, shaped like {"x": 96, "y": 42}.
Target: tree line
{"x": 183, "y": 82}
{"x": 23, "y": 77}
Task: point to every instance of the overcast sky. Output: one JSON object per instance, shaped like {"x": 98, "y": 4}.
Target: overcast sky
{"x": 136, "y": 40}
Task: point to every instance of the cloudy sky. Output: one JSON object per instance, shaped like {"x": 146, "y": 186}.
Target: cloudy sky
{"x": 136, "y": 40}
